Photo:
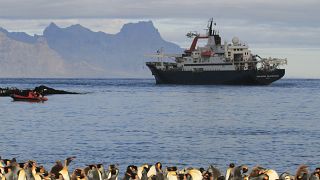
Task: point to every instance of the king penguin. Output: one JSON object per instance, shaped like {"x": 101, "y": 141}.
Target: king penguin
{"x": 113, "y": 172}
{"x": 272, "y": 174}
{"x": 102, "y": 171}
{"x": 214, "y": 172}
{"x": 3, "y": 163}
{"x": 195, "y": 173}
{"x": 285, "y": 176}
{"x": 21, "y": 172}
{"x": 302, "y": 173}
{"x": 7, "y": 174}
{"x": 65, "y": 170}
{"x": 229, "y": 170}
{"x": 156, "y": 172}
{"x": 56, "y": 168}
{"x": 238, "y": 172}
{"x": 171, "y": 173}
{"x": 78, "y": 174}
{"x": 36, "y": 172}
{"x": 93, "y": 173}
{"x": 142, "y": 171}
{"x": 28, "y": 169}
{"x": 14, "y": 168}
{"x": 315, "y": 175}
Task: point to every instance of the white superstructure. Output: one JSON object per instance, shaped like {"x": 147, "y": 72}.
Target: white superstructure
{"x": 215, "y": 56}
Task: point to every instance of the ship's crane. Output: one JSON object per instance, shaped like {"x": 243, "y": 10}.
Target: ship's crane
{"x": 271, "y": 63}
{"x": 195, "y": 41}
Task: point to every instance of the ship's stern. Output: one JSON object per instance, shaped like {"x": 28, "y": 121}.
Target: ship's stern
{"x": 267, "y": 77}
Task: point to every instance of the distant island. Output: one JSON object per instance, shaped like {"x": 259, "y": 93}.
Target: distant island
{"x": 76, "y": 51}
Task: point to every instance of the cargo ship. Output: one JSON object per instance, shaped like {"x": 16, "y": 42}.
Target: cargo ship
{"x": 215, "y": 63}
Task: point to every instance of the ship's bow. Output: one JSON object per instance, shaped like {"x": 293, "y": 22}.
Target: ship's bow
{"x": 155, "y": 72}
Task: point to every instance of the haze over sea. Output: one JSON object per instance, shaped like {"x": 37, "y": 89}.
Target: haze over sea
{"x": 135, "y": 121}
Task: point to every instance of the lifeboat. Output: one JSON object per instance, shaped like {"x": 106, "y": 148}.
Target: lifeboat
{"x": 32, "y": 97}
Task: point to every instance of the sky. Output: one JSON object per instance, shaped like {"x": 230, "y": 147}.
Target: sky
{"x": 286, "y": 29}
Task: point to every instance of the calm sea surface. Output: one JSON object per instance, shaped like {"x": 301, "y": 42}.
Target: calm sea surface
{"x": 134, "y": 121}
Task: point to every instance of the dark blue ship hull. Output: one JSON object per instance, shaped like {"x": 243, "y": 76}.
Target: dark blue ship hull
{"x": 243, "y": 77}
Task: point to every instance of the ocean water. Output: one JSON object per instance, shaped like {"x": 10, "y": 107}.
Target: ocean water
{"x": 135, "y": 121}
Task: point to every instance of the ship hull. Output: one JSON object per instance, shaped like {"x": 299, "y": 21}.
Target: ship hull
{"x": 244, "y": 77}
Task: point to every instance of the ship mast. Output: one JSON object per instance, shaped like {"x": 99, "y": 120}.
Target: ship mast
{"x": 210, "y": 30}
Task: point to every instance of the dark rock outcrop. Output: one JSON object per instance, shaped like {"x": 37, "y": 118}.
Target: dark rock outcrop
{"x": 8, "y": 91}
{"x": 44, "y": 90}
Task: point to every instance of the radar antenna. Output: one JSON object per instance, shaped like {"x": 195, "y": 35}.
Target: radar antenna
{"x": 192, "y": 34}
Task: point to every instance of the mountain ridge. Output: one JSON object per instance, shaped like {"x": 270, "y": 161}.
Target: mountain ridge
{"x": 86, "y": 53}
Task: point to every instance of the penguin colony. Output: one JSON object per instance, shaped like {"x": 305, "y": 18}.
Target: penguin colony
{"x": 30, "y": 170}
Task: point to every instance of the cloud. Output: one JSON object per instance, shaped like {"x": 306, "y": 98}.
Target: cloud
{"x": 288, "y": 22}
{"x": 291, "y": 11}
{"x": 273, "y": 22}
